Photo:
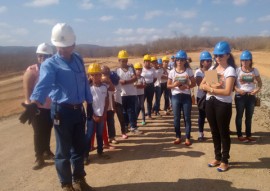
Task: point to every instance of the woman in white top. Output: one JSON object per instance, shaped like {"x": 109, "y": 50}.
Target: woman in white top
{"x": 205, "y": 64}
{"x": 219, "y": 104}
{"x": 164, "y": 89}
{"x": 159, "y": 72}
{"x": 245, "y": 91}
{"x": 180, "y": 81}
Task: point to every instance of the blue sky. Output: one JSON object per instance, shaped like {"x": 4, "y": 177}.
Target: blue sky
{"x": 121, "y": 22}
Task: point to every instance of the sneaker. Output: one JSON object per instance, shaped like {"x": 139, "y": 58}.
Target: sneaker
{"x": 81, "y": 185}
{"x": 108, "y": 147}
{"x": 243, "y": 139}
{"x": 113, "y": 141}
{"x": 86, "y": 160}
{"x": 143, "y": 123}
{"x": 251, "y": 139}
{"x": 48, "y": 155}
{"x": 136, "y": 131}
{"x": 103, "y": 156}
{"x": 124, "y": 136}
{"x": 39, "y": 164}
{"x": 67, "y": 187}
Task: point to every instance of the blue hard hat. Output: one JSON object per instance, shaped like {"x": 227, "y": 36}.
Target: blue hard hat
{"x": 181, "y": 54}
{"x": 172, "y": 57}
{"x": 159, "y": 61}
{"x": 205, "y": 55}
{"x": 246, "y": 55}
{"x": 222, "y": 47}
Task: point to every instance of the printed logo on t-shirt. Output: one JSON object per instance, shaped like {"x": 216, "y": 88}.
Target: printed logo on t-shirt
{"x": 246, "y": 78}
{"x": 182, "y": 79}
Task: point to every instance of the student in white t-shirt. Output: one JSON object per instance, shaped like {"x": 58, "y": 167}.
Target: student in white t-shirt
{"x": 219, "y": 104}
{"x": 248, "y": 84}
{"x": 164, "y": 90}
{"x": 140, "y": 85}
{"x": 205, "y": 64}
{"x": 149, "y": 74}
{"x": 180, "y": 81}
{"x": 128, "y": 90}
{"x": 100, "y": 104}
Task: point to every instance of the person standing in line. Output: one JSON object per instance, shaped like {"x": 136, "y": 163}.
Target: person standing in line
{"x": 164, "y": 90}
{"x": 128, "y": 91}
{"x": 149, "y": 75}
{"x": 42, "y": 122}
{"x": 99, "y": 91}
{"x": 180, "y": 81}
{"x": 159, "y": 72}
{"x": 140, "y": 85}
{"x": 245, "y": 92}
{"x": 205, "y": 64}
{"x": 171, "y": 63}
{"x": 218, "y": 106}
{"x": 64, "y": 79}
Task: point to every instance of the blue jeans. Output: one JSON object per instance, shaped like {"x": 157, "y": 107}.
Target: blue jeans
{"x": 244, "y": 103}
{"x": 179, "y": 102}
{"x": 70, "y": 145}
{"x": 140, "y": 106}
{"x": 167, "y": 94}
{"x": 148, "y": 95}
{"x": 201, "y": 118}
{"x": 128, "y": 103}
{"x": 93, "y": 126}
{"x": 157, "y": 101}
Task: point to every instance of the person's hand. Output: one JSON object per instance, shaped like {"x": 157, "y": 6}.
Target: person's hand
{"x": 255, "y": 91}
{"x": 97, "y": 119}
{"x": 241, "y": 92}
{"x": 216, "y": 85}
{"x": 31, "y": 110}
{"x": 177, "y": 84}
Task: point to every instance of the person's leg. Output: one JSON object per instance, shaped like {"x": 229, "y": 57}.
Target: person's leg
{"x": 88, "y": 136}
{"x": 250, "y": 104}
{"x": 120, "y": 116}
{"x": 125, "y": 107}
{"x": 201, "y": 120}
{"x": 187, "y": 104}
{"x": 166, "y": 97}
{"x": 111, "y": 124}
{"x": 48, "y": 124}
{"x": 158, "y": 96}
{"x": 99, "y": 134}
{"x": 177, "y": 114}
{"x": 240, "y": 107}
{"x": 149, "y": 93}
{"x": 141, "y": 105}
{"x": 131, "y": 111}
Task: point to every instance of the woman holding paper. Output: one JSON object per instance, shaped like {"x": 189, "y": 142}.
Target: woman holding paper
{"x": 219, "y": 103}
{"x": 245, "y": 91}
{"x": 180, "y": 81}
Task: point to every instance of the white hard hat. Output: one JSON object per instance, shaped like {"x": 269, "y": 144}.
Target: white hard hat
{"x": 62, "y": 35}
{"x": 44, "y": 48}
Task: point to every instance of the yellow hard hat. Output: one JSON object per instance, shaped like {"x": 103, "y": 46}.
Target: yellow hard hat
{"x": 122, "y": 54}
{"x": 94, "y": 68}
{"x": 138, "y": 65}
{"x": 153, "y": 58}
{"x": 147, "y": 57}
{"x": 165, "y": 58}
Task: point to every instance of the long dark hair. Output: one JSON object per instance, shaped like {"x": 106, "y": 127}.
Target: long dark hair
{"x": 231, "y": 61}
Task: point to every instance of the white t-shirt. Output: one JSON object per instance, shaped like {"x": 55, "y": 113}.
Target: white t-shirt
{"x": 149, "y": 75}
{"x": 246, "y": 80}
{"x": 117, "y": 94}
{"x": 165, "y": 73}
{"x": 99, "y": 94}
{"x": 228, "y": 72}
{"x": 127, "y": 89}
{"x": 183, "y": 77}
{"x": 140, "y": 81}
{"x": 199, "y": 73}
{"x": 159, "y": 73}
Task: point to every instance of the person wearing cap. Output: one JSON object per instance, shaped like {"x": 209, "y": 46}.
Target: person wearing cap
{"x": 63, "y": 78}
{"x": 218, "y": 106}
{"x": 164, "y": 90}
{"x": 42, "y": 122}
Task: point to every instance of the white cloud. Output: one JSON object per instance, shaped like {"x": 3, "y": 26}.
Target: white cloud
{"x": 152, "y": 14}
{"x": 121, "y": 31}
{"x": 106, "y": 18}
{"x": 264, "y": 33}
{"x": 119, "y": 4}
{"x": 206, "y": 27}
{"x": 186, "y": 14}
{"x": 20, "y": 31}
{"x": 240, "y": 2}
{"x": 4, "y": 25}
{"x": 146, "y": 31}
{"x": 3, "y": 9}
{"x": 133, "y": 17}
{"x": 41, "y": 3}
{"x": 46, "y": 21}
{"x": 240, "y": 20}
{"x": 264, "y": 18}
{"x": 86, "y": 4}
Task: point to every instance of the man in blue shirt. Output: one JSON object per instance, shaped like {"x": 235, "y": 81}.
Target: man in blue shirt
{"x": 64, "y": 79}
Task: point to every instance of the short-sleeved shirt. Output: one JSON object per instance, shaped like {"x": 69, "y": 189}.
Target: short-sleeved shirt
{"x": 99, "y": 94}
{"x": 127, "y": 89}
{"x": 199, "y": 73}
{"x": 183, "y": 77}
{"x": 228, "y": 72}
{"x": 246, "y": 80}
{"x": 149, "y": 75}
{"x": 140, "y": 81}
{"x": 159, "y": 73}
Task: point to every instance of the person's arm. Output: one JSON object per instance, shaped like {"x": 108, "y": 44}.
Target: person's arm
{"x": 198, "y": 80}
{"x": 259, "y": 85}
{"x": 219, "y": 91}
{"x": 28, "y": 85}
{"x": 192, "y": 82}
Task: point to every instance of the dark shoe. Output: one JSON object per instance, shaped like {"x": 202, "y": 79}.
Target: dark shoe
{"x": 81, "y": 185}
{"x": 67, "y": 187}
{"x": 39, "y": 164}
{"x": 103, "y": 156}
{"x": 48, "y": 155}
{"x": 86, "y": 160}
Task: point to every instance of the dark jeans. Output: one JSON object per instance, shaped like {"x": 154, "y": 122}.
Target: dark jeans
{"x": 244, "y": 103}
{"x": 201, "y": 118}
{"x": 128, "y": 103}
{"x": 70, "y": 143}
{"x": 157, "y": 101}
{"x": 120, "y": 116}
{"x": 42, "y": 126}
{"x": 140, "y": 106}
{"x": 148, "y": 95}
{"x": 182, "y": 102}
{"x": 110, "y": 124}
{"x": 166, "y": 94}
{"x": 219, "y": 115}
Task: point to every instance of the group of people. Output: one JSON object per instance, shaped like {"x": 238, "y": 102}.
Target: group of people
{"x": 59, "y": 92}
